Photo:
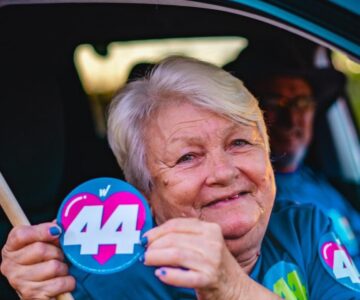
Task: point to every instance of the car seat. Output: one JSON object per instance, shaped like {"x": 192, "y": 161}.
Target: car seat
{"x": 48, "y": 142}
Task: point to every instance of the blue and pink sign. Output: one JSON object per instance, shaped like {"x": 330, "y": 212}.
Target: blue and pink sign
{"x": 103, "y": 221}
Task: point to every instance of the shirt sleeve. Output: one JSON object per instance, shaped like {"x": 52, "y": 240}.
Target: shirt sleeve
{"x": 80, "y": 292}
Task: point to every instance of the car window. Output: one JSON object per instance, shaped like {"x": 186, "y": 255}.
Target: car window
{"x": 352, "y": 71}
{"x": 103, "y": 73}
{"x": 344, "y": 133}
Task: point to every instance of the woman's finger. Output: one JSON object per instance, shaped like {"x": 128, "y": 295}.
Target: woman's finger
{"x": 46, "y": 289}
{"x": 184, "y": 225}
{"x": 20, "y": 236}
{"x": 182, "y": 278}
{"x": 43, "y": 271}
{"x": 36, "y": 253}
{"x": 174, "y": 239}
{"x": 18, "y": 275}
{"x": 178, "y": 257}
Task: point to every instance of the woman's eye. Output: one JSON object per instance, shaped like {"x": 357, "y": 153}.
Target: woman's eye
{"x": 185, "y": 158}
{"x": 239, "y": 143}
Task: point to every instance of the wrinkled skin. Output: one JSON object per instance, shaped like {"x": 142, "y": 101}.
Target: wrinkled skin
{"x": 207, "y": 168}
{"x": 34, "y": 264}
{"x": 212, "y": 194}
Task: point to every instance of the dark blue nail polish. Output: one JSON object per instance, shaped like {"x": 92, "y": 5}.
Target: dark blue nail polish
{"x": 160, "y": 272}
{"x": 144, "y": 241}
{"x": 142, "y": 257}
{"x": 54, "y": 231}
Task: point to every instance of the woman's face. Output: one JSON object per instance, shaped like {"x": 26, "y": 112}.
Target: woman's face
{"x": 208, "y": 167}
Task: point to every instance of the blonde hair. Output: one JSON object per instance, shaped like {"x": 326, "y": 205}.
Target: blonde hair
{"x": 200, "y": 83}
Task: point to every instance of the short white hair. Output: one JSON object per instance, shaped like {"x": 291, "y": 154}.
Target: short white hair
{"x": 199, "y": 83}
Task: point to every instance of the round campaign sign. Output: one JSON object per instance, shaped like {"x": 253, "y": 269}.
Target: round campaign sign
{"x": 103, "y": 221}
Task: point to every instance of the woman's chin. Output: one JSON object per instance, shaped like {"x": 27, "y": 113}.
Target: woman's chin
{"x": 235, "y": 221}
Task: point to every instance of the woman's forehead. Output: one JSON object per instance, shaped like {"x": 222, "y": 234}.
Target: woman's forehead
{"x": 188, "y": 122}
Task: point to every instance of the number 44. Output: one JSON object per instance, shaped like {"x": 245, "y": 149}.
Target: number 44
{"x": 86, "y": 229}
{"x": 343, "y": 267}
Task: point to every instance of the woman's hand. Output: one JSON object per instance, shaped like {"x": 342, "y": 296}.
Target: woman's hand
{"x": 193, "y": 254}
{"x": 34, "y": 264}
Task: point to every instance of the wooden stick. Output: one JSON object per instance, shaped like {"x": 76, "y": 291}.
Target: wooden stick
{"x": 17, "y": 216}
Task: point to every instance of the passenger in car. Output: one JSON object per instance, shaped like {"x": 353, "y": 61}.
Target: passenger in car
{"x": 193, "y": 139}
{"x": 289, "y": 105}
{"x": 288, "y": 90}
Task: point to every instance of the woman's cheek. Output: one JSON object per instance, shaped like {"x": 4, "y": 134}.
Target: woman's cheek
{"x": 186, "y": 183}
{"x": 267, "y": 185}
{"x": 253, "y": 164}
{"x": 260, "y": 171}
{"x": 174, "y": 197}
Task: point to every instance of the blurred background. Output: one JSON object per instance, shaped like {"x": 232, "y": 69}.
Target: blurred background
{"x": 103, "y": 69}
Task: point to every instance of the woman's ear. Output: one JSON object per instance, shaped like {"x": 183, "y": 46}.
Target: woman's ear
{"x": 152, "y": 212}
{"x": 150, "y": 186}
{"x": 147, "y": 196}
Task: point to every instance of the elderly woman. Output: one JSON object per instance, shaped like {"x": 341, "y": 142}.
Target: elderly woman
{"x": 193, "y": 140}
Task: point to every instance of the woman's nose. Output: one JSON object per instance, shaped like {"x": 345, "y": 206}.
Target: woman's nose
{"x": 221, "y": 170}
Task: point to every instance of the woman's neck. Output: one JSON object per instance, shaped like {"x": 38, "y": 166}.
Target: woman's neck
{"x": 245, "y": 256}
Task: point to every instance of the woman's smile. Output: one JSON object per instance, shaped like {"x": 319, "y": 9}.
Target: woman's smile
{"x": 215, "y": 169}
{"x": 227, "y": 200}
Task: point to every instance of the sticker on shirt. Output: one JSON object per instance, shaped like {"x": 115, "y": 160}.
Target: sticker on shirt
{"x": 103, "y": 220}
{"x": 337, "y": 261}
{"x": 286, "y": 280}
{"x": 344, "y": 231}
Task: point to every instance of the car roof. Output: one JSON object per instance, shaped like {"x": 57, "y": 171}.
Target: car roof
{"x": 325, "y": 22}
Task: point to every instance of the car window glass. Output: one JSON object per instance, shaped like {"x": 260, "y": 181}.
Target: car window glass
{"x": 352, "y": 71}
{"x": 104, "y": 69}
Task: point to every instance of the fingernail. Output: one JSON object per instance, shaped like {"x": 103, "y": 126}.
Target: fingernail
{"x": 142, "y": 257}
{"x": 144, "y": 241}
{"x": 54, "y": 231}
{"x": 160, "y": 272}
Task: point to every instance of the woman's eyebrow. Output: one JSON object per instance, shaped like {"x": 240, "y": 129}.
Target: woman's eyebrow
{"x": 195, "y": 139}
{"x": 245, "y": 130}
{"x": 184, "y": 138}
